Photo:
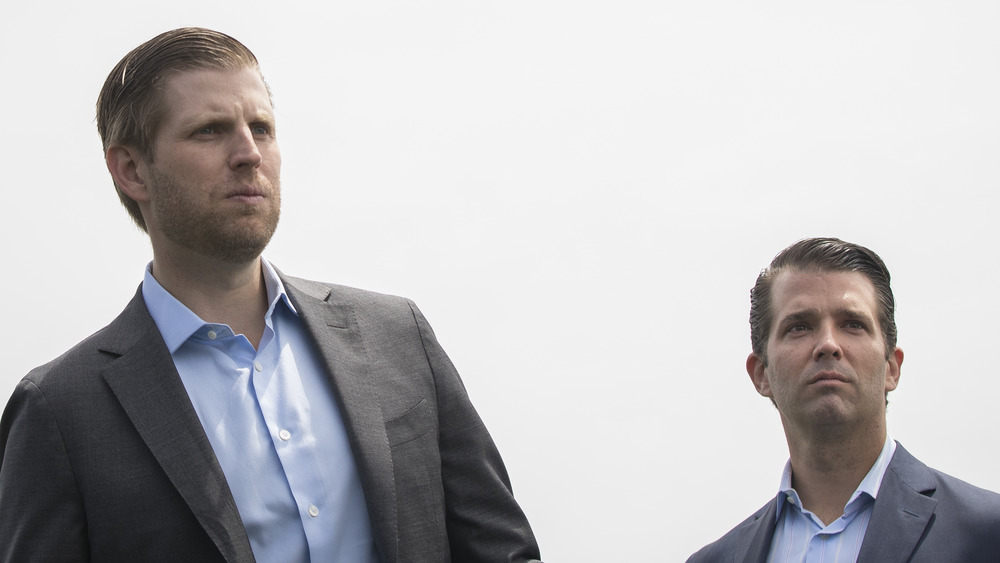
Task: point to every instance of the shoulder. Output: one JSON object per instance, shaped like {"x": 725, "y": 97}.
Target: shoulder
{"x": 962, "y": 518}
{"x": 950, "y": 492}
{"x": 966, "y": 520}
{"x": 737, "y": 541}
{"x": 68, "y": 390}
{"x": 378, "y": 315}
{"x": 964, "y": 499}
{"x": 80, "y": 366}
{"x": 345, "y": 295}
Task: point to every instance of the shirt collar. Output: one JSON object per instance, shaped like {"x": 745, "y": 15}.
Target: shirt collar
{"x": 177, "y": 323}
{"x": 869, "y": 485}
{"x": 275, "y": 288}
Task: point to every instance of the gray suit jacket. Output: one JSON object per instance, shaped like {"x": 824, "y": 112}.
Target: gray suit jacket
{"x": 102, "y": 456}
{"x": 920, "y": 515}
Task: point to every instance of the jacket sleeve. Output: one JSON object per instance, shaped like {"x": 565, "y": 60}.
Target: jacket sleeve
{"x": 41, "y": 514}
{"x": 483, "y": 520}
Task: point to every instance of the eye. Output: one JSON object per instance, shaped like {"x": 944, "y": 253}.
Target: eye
{"x": 206, "y": 130}
{"x": 855, "y": 325}
{"x": 797, "y": 327}
{"x": 261, "y": 129}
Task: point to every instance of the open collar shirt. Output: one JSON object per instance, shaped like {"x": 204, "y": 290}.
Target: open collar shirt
{"x": 274, "y": 424}
{"x": 801, "y": 537}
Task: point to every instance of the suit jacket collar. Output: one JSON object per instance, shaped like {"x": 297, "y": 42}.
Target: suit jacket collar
{"x": 761, "y": 533}
{"x": 900, "y": 515}
{"x": 901, "y": 512}
{"x": 145, "y": 382}
{"x": 334, "y": 327}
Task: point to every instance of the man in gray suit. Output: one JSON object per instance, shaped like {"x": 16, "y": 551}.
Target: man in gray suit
{"x": 231, "y": 412}
{"x": 823, "y": 333}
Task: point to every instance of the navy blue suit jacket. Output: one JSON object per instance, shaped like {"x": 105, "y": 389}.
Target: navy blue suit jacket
{"x": 920, "y": 515}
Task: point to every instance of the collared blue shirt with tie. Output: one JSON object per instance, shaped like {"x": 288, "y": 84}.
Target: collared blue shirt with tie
{"x": 800, "y": 536}
{"x": 272, "y": 419}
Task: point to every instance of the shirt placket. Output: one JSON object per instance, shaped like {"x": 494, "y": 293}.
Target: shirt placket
{"x": 283, "y": 406}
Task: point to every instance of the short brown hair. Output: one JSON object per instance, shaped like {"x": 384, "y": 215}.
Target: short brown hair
{"x": 823, "y": 254}
{"x": 130, "y": 106}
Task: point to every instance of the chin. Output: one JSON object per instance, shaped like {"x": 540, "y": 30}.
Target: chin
{"x": 825, "y": 412}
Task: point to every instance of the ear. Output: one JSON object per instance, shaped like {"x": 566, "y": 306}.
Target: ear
{"x": 757, "y": 372}
{"x": 128, "y": 169}
{"x": 893, "y": 369}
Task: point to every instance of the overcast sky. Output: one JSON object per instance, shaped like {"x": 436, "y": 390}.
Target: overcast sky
{"x": 579, "y": 196}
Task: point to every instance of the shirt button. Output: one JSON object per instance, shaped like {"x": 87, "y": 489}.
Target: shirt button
{"x": 313, "y": 510}
{"x": 285, "y": 435}
{"x": 257, "y": 366}
{"x": 212, "y": 335}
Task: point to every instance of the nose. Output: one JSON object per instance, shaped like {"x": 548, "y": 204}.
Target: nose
{"x": 244, "y": 151}
{"x": 827, "y": 347}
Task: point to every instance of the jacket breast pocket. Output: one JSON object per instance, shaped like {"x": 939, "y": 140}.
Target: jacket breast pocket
{"x": 412, "y": 424}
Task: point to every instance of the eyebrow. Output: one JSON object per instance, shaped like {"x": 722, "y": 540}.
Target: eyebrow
{"x": 795, "y": 317}
{"x": 809, "y": 314}
{"x": 223, "y": 118}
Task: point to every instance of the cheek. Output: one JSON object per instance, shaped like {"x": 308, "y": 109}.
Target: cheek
{"x": 872, "y": 356}
{"x": 271, "y": 154}
{"x": 774, "y": 377}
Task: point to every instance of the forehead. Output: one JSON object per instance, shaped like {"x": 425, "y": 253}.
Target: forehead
{"x": 795, "y": 291}
{"x": 188, "y": 93}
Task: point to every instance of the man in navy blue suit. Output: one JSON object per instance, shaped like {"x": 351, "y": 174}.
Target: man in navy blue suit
{"x": 823, "y": 335}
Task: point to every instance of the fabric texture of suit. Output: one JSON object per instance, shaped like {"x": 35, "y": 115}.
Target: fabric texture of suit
{"x": 920, "y": 515}
{"x": 103, "y": 458}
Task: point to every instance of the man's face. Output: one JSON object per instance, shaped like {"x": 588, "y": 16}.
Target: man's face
{"x": 826, "y": 352}
{"x": 214, "y": 182}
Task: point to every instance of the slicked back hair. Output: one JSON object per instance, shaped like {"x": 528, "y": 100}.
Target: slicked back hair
{"x": 131, "y": 104}
{"x": 825, "y": 255}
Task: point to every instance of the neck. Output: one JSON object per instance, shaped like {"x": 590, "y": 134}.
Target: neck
{"x": 827, "y": 469}
{"x": 218, "y": 292}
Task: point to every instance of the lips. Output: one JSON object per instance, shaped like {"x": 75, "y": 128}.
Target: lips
{"x": 829, "y": 376}
{"x": 247, "y": 191}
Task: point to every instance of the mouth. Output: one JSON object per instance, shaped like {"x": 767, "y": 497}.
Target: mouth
{"x": 247, "y": 194}
{"x": 828, "y": 378}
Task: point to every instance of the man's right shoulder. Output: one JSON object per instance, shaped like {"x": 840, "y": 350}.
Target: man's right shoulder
{"x": 83, "y": 362}
{"x": 734, "y": 546}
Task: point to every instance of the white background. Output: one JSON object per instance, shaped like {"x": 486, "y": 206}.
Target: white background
{"x": 579, "y": 196}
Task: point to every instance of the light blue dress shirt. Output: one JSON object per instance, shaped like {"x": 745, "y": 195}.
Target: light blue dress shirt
{"x": 802, "y": 537}
{"x": 274, "y": 424}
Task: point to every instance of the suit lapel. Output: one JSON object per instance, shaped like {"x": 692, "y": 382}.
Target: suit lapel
{"x": 334, "y": 328}
{"x": 146, "y": 384}
{"x": 761, "y": 532}
{"x": 901, "y": 512}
